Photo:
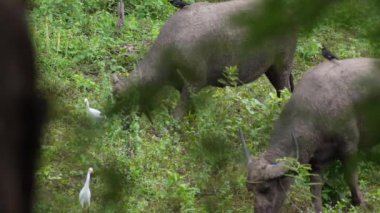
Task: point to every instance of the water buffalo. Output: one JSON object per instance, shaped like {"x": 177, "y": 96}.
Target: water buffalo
{"x": 199, "y": 41}
{"x": 321, "y": 122}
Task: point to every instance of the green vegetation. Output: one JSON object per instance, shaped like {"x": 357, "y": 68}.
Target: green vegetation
{"x": 195, "y": 165}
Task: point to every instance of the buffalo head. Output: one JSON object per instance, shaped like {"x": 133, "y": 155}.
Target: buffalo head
{"x": 267, "y": 181}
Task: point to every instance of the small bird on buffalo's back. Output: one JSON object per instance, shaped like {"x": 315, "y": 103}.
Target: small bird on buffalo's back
{"x": 178, "y": 3}
{"x": 327, "y": 54}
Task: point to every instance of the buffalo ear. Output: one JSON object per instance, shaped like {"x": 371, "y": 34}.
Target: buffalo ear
{"x": 271, "y": 171}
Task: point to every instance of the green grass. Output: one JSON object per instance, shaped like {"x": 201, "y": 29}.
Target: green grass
{"x": 195, "y": 165}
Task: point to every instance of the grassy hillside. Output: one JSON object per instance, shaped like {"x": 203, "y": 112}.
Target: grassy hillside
{"x": 195, "y": 165}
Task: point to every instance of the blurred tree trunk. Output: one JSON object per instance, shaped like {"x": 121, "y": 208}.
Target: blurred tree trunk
{"x": 21, "y": 110}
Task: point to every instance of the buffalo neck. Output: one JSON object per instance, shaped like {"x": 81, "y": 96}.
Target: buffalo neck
{"x": 293, "y": 140}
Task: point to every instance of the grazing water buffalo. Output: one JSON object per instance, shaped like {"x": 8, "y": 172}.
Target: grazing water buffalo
{"x": 321, "y": 122}
{"x": 199, "y": 41}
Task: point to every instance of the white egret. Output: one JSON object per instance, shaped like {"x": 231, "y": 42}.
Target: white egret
{"x": 91, "y": 112}
{"x": 85, "y": 193}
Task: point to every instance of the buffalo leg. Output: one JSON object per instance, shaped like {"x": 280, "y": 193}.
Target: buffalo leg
{"x": 279, "y": 80}
{"x": 351, "y": 178}
{"x": 349, "y": 161}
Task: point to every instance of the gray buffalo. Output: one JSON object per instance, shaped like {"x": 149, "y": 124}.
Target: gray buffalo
{"x": 199, "y": 41}
{"x": 321, "y": 122}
